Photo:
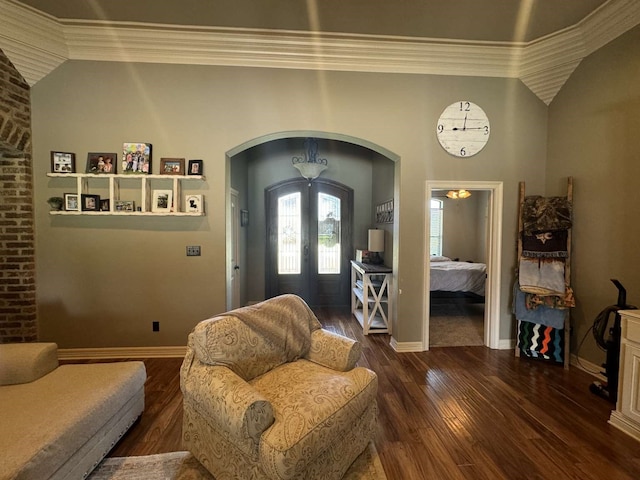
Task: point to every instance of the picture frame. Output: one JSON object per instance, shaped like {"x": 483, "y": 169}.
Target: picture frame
{"x": 244, "y": 218}
{"x": 172, "y": 166}
{"x": 124, "y": 206}
{"x": 136, "y": 158}
{"x": 89, "y": 203}
{"x": 105, "y": 205}
{"x": 63, "y": 162}
{"x": 162, "y": 201}
{"x": 384, "y": 212}
{"x": 194, "y": 204}
{"x": 71, "y": 203}
{"x": 195, "y": 167}
{"x": 101, "y": 163}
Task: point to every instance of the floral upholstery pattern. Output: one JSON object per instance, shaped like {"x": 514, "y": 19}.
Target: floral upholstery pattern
{"x": 333, "y": 350}
{"x": 268, "y": 394}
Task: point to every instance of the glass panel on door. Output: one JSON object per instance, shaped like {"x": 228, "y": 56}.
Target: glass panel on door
{"x": 329, "y": 234}
{"x": 289, "y": 234}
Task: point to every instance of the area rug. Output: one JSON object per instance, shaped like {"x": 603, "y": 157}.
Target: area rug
{"x": 456, "y": 325}
{"x": 184, "y": 466}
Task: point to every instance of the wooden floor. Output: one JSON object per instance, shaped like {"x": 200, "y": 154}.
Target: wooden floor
{"x": 450, "y": 413}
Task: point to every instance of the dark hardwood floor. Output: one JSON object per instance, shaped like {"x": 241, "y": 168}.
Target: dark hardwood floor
{"x": 451, "y": 413}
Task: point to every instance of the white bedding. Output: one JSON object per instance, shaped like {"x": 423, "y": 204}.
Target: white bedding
{"x": 450, "y": 276}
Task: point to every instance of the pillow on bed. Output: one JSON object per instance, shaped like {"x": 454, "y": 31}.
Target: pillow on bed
{"x": 437, "y": 258}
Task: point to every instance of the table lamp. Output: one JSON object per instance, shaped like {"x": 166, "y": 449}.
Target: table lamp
{"x": 376, "y": 245}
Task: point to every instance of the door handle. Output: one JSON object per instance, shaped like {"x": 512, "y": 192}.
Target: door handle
{"x": 306, "y": 251}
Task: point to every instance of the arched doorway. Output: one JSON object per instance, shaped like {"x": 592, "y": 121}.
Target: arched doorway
{"x": 264, "y": 161}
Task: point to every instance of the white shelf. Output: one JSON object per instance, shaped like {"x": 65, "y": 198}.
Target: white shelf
{"x": 376, "y": 324}
{"x": 127, "y": 214}
{"x": 132, "y": 176}
{"x": 359, "y": 292}
{"x": 370, "y": 297}
{"x": 144, "y": 196}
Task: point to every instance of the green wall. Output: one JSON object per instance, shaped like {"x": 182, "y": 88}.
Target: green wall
{"x": 102, "y": 281}
{"x": 594, "y": 127}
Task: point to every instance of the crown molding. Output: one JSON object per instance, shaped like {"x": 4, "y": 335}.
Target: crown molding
{"x": 32, "y": 40}
{"x": 284, "y": 49}
{"x": 608, "y": 22}
{"x": 37, "y": 43}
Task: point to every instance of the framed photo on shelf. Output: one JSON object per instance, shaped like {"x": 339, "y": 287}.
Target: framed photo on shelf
{"x": 195, "y": 167}
{"x": 101, "y": 162}
{"x": 90, "y": 203}
{"x": 162, "y": 201}
{"x": 63, "y": 162}
{"x": 124, "y": 206}
{"x": 172, "y": 166}
{"x": 193, "y": 204}
{"x": 136, "y": 158}
{"x": 105, "y": 205}
{"x": 71, "y": 202}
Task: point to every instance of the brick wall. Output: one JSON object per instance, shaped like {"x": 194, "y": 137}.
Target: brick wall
{"x": 18, "y": 321}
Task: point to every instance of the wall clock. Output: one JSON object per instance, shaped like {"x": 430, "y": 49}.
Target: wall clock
{"x": 463, "y": 129}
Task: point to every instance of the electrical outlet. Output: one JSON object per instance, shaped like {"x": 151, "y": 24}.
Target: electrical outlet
{"x": 193, "y": 251}
{"x": 155, "y": 326}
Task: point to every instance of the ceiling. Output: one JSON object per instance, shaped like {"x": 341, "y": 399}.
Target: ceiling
{"x": 472, "y": 20}
{"x": 540, "y": 42}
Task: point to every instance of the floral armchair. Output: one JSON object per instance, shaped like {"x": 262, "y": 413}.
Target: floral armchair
{"x": 269, "y": 394}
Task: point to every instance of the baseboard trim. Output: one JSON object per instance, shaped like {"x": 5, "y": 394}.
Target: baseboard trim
{"x": 619, "y": 421}
{"x": 104, "y": 353}
{"x": 417, "y": 346}
{"x": 587, "y": 366}
{"x": 401, "y": 347}
{"x": 508, "y": 344}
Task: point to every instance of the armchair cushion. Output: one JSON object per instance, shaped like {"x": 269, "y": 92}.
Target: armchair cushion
{"x": 26, "y": 362}
{"x": 314, "y": 409}
{"x": 255, "y": 339}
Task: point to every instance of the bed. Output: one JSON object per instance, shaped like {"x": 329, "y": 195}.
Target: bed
{"x": 451, "y": 279}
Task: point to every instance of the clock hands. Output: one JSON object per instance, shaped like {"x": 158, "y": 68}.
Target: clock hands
{"x": 465, "y": 128}
{"x": 464, "y": 125}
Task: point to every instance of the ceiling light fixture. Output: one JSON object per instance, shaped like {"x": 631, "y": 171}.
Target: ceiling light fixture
{"x": 309, "y": 165}
{"x": 458, "y": 194}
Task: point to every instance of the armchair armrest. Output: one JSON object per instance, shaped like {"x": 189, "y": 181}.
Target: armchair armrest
{"x": 26, "y": 362}
{"x": 230, "y": 404}
{"x": 333, "y": 350}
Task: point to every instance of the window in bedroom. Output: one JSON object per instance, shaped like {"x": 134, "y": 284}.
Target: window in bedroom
{"x": 436, "y": 227}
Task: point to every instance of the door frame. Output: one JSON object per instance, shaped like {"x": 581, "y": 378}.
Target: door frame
{"x": 233, "y": 253}
{"x": 347, "y": 219}
{"x": 493, "y": 260}
{"x": 237, "y": 150}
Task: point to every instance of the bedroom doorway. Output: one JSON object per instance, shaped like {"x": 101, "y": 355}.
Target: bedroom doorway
{"x": 459, "y": 272}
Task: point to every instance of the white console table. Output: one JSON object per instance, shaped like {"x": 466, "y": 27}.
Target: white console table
{"x": 371, "y": 299}
{"x": 626, "y": 416}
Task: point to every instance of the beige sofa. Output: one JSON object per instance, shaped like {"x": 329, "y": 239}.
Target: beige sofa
{"x": 58, "y": 422}
{"x": 269, "y": 394}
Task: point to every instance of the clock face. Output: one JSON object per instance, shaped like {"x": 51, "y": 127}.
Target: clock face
{"x": 463, "y": 129}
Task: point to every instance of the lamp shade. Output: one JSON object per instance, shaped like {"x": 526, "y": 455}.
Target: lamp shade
{"x": 376, "y": 240}
{"x": 310, "y": 171}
